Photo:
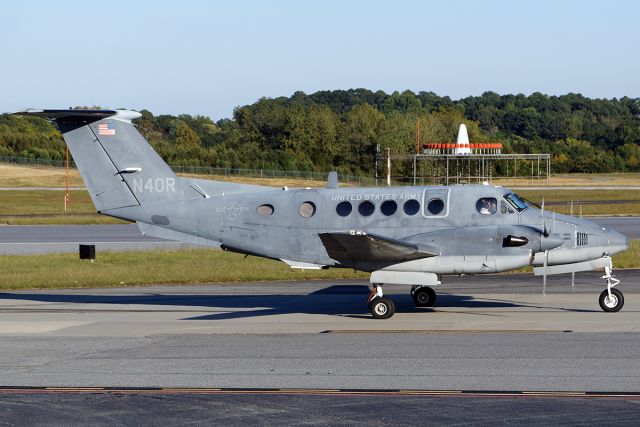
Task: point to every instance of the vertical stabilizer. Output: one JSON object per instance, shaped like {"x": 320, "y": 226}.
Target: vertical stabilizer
{"x": 117, "y": 164}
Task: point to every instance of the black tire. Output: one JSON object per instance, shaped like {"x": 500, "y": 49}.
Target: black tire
{"x": 613, "y": 305}
{"x": 382, "y": 308}
{"x": 424, "y": 297}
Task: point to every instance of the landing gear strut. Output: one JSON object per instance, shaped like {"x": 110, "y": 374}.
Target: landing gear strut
{"x": 380, "y": 307}
{"x": 423, "y": 296}
{"x": 611, "y": 300}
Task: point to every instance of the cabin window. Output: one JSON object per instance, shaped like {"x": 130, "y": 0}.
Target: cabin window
{"x": 435, "y": 206}
{"x": 344, "y": 208}
{"x": 366, "y": 208}
{"x": 307, "y": 209}
{"x": 487, "y": 205}
{"x": 388, "y": 207}
{"x": 266, "y": 210}
{"x": 411, "y": 207}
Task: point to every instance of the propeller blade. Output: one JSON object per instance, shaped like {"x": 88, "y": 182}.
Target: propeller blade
{"x": 545, "y": 230}
{"x": 544, "y": 275}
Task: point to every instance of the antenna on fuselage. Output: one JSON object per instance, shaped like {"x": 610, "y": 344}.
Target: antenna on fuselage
{"x": 332, "y": 179}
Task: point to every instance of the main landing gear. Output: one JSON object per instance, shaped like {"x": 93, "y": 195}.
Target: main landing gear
{"x": 383, "y": 308}
{"x": 379, "y": 306}
{"x": 423, "y": 296}
{"x": 611, "y": 300}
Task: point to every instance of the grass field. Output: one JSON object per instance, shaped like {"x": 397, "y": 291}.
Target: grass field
{"x": 32, "y": 207}
{"x": 37, "y": 176}
{"x": 52, "y": 177}
{"x": 613, "y": 209}
{"x": 145, "y": 268}
{"x": 23, "y": 207}
{"x": 627, "y": 179}
{"x": 196, "y": 266}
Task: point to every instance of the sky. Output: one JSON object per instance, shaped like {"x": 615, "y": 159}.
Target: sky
{"x": 207, "y": 57}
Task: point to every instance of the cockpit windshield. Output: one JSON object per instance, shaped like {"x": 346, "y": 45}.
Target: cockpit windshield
{"x": 518, "y": 203}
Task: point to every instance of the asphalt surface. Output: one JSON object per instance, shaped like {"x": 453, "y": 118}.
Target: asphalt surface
{"x": 493, "y": 351}
{"x": 629, "y": 226}
{"x": 39, "y": 239}
{"x": 489, "y": 333}
{"x": 20, "y": 240}
{"x": 89, "y": 409}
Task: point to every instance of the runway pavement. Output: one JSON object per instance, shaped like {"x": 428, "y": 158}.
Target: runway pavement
{"x": 627, "y": 225}
{"x": 494, "y": 350}
{"x": 165, "y": 408}
{"x": 18, "y": 240}
{"x": 489, "y": 333}
{"x": 39, "y": 239}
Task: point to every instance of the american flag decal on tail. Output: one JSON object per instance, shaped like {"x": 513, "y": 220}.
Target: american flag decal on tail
{"x": 106, "y": 129}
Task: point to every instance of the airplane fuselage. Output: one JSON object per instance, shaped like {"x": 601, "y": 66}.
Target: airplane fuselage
{"x": 286, "y": 224}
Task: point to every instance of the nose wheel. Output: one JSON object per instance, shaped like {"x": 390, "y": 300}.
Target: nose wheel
{"x": 423, "y": 296}
{"x": 379, "y": 306}
{"x": 611, "y": 300}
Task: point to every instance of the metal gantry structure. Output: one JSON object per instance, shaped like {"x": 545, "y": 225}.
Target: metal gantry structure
{"x": 462, "y": 162}
{"x": 448, "y": 169}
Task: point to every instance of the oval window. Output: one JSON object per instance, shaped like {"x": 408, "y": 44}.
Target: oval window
{"x": 435, "y": 206}
{"x": 366, "y": 208}
{"x": 388, "y": 207}
{"x": 307, "y": 209}
{"x": 265, "y": 210}
{"x": 344, "y": 208}
{"x": 411, "y": 207}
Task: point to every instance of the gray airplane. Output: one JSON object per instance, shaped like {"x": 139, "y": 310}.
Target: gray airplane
{"x": 402, "y": 235}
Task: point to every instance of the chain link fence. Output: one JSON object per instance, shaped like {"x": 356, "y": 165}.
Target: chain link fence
{"x": 226, "y": 172}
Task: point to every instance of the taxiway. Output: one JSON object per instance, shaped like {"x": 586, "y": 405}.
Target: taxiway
{"x": 487, "y": 333}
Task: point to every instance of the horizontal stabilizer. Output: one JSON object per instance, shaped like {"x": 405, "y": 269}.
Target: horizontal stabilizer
{"x": 575, "y": 267}
{"x": 361, "y": 247}
{"x": 68, "y": 120}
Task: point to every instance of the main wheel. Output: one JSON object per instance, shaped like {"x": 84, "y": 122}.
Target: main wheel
{"x": 613, "y": 303}
{"x": 382, "y": 308}
{"x": 424, "y": 297}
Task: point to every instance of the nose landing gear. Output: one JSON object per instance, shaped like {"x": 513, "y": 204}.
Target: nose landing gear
{"x": 611, "y": 300}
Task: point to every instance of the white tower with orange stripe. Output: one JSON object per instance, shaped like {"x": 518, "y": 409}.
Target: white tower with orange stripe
{"x": 462, "y": 142}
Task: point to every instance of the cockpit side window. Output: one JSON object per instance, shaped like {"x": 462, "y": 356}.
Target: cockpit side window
{"x": 504, "y": 208}
{"x": 487, "y": 205}
{"x": 516, "y": 201}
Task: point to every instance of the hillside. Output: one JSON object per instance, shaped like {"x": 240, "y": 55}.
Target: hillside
{"x": 342, "y": 130}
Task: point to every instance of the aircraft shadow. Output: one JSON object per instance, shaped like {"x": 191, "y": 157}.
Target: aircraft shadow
{"x": 337, "y": 300}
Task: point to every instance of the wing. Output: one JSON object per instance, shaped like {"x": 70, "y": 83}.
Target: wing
{"x": 360, "y": 247}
